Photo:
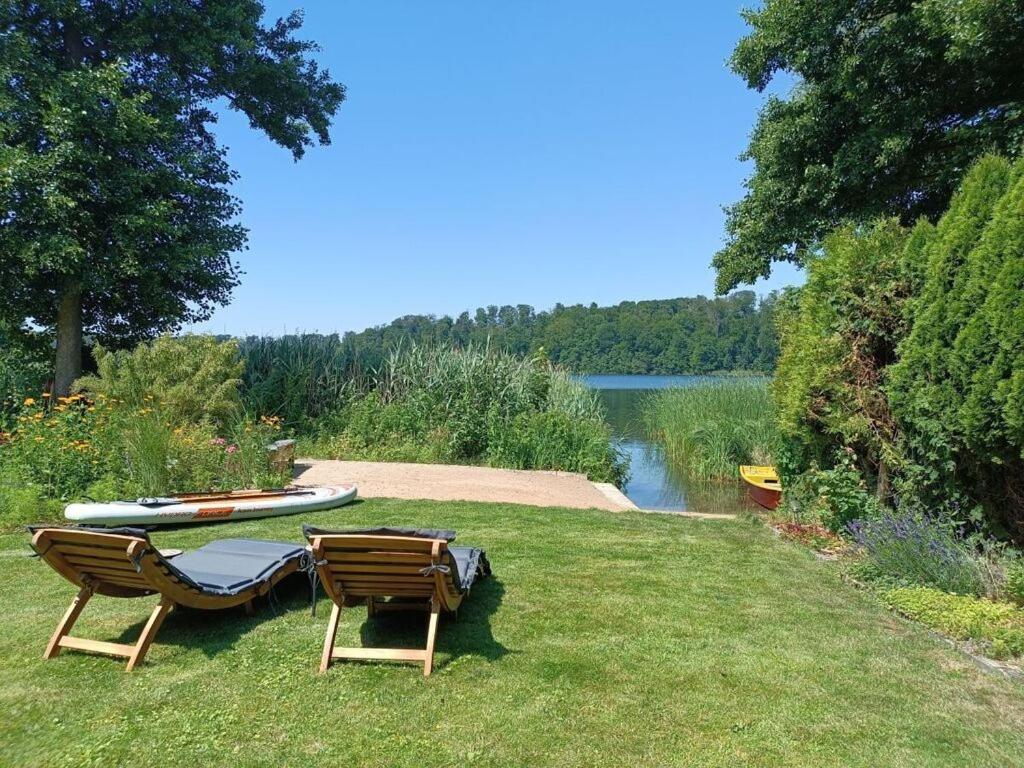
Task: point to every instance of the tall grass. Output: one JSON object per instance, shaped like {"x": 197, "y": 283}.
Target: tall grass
{"x": 474, "y": 405}
{"x": 709, "y": 429}
{"x": 299, "y": 378}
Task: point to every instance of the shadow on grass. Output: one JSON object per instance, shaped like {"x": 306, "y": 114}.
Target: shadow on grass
{"x": 465, "y": 633}
{"x": 213, "y": 632}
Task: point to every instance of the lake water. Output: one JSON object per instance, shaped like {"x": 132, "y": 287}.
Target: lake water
{"x": 653, "y": 482}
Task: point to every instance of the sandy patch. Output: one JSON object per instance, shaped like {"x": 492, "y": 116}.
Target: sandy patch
{"x": 442, "y": 482}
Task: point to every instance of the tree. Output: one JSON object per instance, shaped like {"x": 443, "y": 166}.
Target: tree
{"x": 958, "y": 388}
{"x": 840, "y": 332}
{"x": 894, "y": 99}
{"x": 116, "y": 214}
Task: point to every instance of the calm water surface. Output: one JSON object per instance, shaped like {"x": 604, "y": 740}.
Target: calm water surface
{"x": 655, "y": 483}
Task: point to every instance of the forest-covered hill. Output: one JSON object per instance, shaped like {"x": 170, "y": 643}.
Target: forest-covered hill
{"x": 664, "y": 336}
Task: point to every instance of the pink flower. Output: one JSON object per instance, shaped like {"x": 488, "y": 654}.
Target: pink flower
{"x": 231, "y": 448}
{"x": 218, "y": 441}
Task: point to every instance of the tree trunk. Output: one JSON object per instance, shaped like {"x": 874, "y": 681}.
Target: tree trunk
{"x": 69, "y": 340}
{"x": 883, "y": 481}
{"x": 68, "y": 366}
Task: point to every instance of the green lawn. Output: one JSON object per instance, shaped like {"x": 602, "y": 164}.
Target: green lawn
{"x": 603, "y": 639}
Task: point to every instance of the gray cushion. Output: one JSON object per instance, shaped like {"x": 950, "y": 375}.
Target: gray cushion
{"x": 230, "y": 566}
{"x": 470, "y": 563}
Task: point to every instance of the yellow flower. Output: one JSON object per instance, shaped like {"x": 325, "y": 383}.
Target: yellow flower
{"x": 30, "y": 401}
{"x": 39, "y": 438}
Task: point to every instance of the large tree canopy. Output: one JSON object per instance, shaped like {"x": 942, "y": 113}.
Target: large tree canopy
{"x": 115, "y": 211}
{"x": 893, "y": 101}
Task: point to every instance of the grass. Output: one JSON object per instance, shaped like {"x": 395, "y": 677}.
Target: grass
{"x": 602, "y": 640}
{"x": 711, "y": 429}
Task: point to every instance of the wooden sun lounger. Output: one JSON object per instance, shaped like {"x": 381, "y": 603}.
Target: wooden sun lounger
{"x": 126, "y": 564}
{"x": 418, "y": 571}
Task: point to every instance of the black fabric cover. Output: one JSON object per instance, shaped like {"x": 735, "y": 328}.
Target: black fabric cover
{"x": 230, "y": 566}
{"x": 420, "y": 533}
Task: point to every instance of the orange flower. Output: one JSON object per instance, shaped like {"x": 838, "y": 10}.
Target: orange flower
{"x": 30, "y": 401}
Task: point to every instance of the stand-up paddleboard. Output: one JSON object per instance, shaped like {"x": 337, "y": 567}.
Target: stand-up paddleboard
{"x": 208, "y": 507}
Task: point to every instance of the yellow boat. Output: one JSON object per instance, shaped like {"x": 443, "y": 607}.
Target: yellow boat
{"x": 763, "y": 485}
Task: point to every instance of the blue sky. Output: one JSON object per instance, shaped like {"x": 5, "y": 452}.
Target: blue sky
{"x": 496, "y": 153}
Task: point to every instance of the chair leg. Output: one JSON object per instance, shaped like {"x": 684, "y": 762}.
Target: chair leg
{"x": 156, "y": 618}
{"x": 66, "y": 623}
{"x": 370, "y": 607}
{"x": 435, "y": 612}
{"x": 332, "y": 631}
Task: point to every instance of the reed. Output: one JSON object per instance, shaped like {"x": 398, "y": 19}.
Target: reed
{"x": 708, "y": 430}
{"x": 301, "y": 377}
{"x": 473, "y": 405}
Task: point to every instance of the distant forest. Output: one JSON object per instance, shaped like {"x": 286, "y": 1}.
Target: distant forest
{"x": 667, "y": 336}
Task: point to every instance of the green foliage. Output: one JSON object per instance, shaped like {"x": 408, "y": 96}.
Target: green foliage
{"x": 114, "y": 189}
{"x": 892, "y": 102}
{"x": 298, "y": 378}
{"x": 839, "y": 332}
{"x": 54, "y": 450}
{"x": 907, "y": 548}
{"x": 709, "y": 430}
{"x": 159, "y": 458}
{"x": 834, "y": 497}
{"x": 24, "y": 369}
{"x": 998, "y": 626}
{"x": 161, "y": 419}
{"x": 1013, "y": 585}
{"x": 439, "y": 404}
{"x": 22, "y": 504}
{"x": 555, "y": 440}
{"x": 194, "y": 378}
{"x": 958, "y": 388}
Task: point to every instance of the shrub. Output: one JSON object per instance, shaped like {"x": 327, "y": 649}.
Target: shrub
{"x": 24, "y": 369}
{"x": 920, "y": 550}
{"x": 54, "y": 450}
{"x": 79, "y": 448}
{"x": 1014, "y": 581}
{"x": 709, "y": 430}
{"x": 156, "y": 457}
{"x": 839, "y": 333}
{"x": 834, "y": 497}
{"x": 999, "y": 626}
{"x": 193, "y": 378}
{"x": 22, "y": 504}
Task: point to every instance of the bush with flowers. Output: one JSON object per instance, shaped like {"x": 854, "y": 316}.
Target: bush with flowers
{"x": 59, "y": 450}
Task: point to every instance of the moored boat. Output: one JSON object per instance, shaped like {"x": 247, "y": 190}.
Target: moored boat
{"x": 763, "y": 485}
{"x": 209, "y": 507}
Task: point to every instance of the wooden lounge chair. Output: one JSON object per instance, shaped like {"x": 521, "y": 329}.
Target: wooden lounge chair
{"x": 417, "y": 568}
{"x": 123, "y": 562}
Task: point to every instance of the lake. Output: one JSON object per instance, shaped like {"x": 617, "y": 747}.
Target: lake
{"x": 653, "y": 482}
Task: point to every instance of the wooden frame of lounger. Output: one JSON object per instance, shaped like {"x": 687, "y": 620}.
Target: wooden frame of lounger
{"x": 357, "y": 567}
{"x": 121, "y": 565}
